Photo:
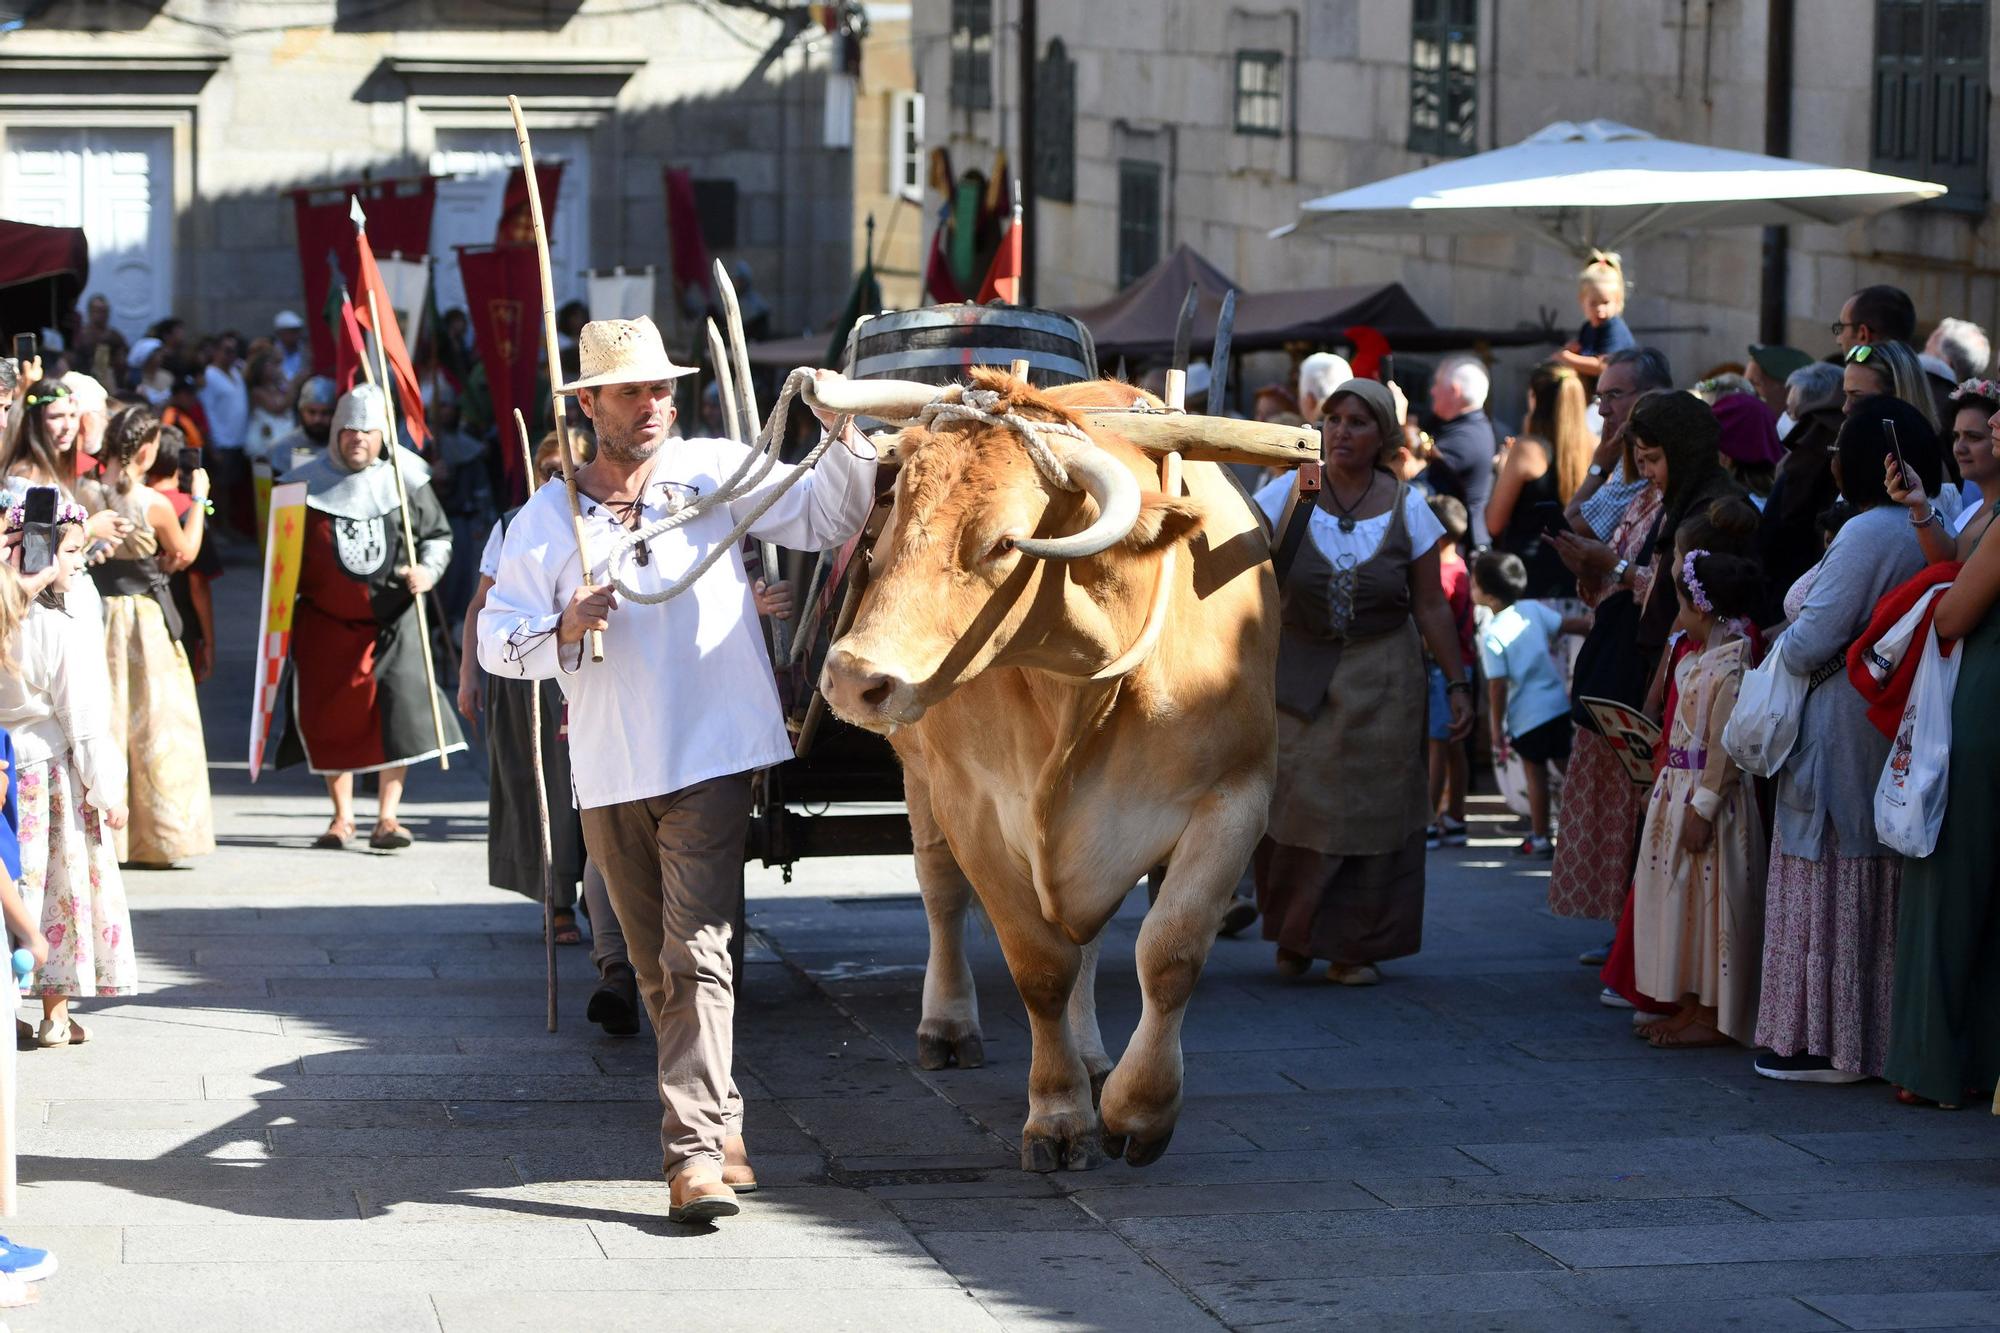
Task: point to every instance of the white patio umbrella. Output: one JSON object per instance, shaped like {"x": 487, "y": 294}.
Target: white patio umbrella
{"x": 1600, "y": 185}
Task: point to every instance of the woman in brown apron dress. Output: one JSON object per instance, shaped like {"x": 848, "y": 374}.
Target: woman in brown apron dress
{"x": 1340, "y": 872}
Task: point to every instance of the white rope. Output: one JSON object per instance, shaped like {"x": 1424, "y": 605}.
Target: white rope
{"x": 979, "y": 404}
{"x": 756, "y": 466}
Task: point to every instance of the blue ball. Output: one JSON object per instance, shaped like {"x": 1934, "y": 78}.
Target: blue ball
{"x": 24, "y": 963}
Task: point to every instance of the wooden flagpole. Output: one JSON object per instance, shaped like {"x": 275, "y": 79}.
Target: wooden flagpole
{"x": 383, "y": 383}
{"x": 553, "y": 349}
{"x": 541, "y": 782}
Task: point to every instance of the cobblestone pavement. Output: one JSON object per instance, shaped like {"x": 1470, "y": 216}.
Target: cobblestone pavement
{"x": 335, "y": 1107}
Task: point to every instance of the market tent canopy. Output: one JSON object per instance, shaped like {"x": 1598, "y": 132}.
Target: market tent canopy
{"x": 1139, "y": 322}
{"x": 42, "y": 273}
{"x": 1600, "y": 185}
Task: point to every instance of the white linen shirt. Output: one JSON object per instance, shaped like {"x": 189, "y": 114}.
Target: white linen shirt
{"x": 685, "y": 692}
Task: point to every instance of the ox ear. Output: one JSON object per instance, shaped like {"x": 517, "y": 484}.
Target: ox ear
{"x": 1163, "y": 520}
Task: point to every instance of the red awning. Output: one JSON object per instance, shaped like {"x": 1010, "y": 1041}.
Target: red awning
{"x": 42, "y": 273}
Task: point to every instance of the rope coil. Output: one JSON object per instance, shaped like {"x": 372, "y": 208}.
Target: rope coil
{"x": 979, "y": 404}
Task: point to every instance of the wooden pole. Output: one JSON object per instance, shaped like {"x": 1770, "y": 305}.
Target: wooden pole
{"x": 385, "y": 384}
{"x": 554, "y": 353}
{"x": 541, "y": 784}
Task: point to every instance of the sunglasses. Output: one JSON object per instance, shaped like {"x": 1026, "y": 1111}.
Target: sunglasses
{"x": 1858, "y": 356}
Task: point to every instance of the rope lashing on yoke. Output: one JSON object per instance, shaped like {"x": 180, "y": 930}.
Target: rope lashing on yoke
{"x": 756, "y": 466}
{"x": 972, "y": 405}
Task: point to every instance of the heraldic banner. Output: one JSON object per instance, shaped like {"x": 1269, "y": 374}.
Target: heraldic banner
{"x": 503, "y": 298}
{"x": 284, "y": 547}
{"x": 399, "y": 222}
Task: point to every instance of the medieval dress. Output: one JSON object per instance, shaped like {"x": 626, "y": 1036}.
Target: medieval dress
{"x": 355, "y": 689}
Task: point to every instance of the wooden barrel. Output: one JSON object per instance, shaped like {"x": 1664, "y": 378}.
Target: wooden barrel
{"x": 939, "y": 344}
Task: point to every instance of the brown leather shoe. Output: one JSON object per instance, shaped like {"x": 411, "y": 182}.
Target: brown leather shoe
{"x": 697, "y": 1195}
{"x": 737, "y": 1173}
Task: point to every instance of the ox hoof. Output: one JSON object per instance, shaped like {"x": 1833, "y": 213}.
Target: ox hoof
{"x": 936, "y": 1052}
{"x": 1146, "y": 1152}
{"x": 1045, "y": 1152}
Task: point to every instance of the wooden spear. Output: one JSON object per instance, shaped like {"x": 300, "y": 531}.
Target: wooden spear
{"x": 541, "y": 782}
{"x": 384, "y": 384}
{"x": 550, "y": 344}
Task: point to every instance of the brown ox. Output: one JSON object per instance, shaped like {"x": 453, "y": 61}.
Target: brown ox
{"x": 973, "y": 650}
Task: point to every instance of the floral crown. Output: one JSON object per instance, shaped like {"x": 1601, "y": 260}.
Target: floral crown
{"x": 67, "y": 511}
{"x": 1977, "y": 388}
{"x": 50, "y": 391}
{"x": 1696, "y": 593}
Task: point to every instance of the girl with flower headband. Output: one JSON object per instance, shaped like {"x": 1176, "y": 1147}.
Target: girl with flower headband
{"x": 1976, "y": 448}
{"x": 42, "y": 445}
{"x": 1698, "y": 890}
{"x": 71, "y": 785}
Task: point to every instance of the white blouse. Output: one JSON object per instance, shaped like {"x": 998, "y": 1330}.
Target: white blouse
{"x": 1356, "y": 547}
{"x": 59, "y": 701}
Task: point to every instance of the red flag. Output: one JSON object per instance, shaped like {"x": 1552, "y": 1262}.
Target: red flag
{"x": 399, "y": 216}
{"x": 689, "y": 246}
{"x": 503, "y": 298}
{"x": 369, "y": 280}
{"x": 1003, "y": 275}
{"x": 939, "y": 284}
{"x": 517, "y": 223}
{"x": 350, "y": 348}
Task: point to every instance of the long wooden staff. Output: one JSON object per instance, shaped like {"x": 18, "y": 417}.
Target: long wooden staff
{"x": 382, "y": 382}
{"x": 550, "y": 343}
{"x": 541, "y": 783}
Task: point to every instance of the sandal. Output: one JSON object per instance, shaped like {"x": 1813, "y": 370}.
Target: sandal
{"x": 567, "y": 932}
{"x": 1908, "y": 1098}
{"x": 61, "y": 1032}
{"x": 1688, "y": 1037}
{"x": 390, "y": 837}
{"x": 337, "y": 835}
{"x": 1293, "y": 964}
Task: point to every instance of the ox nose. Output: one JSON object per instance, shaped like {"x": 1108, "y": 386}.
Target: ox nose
{"x": 861, "y": 691}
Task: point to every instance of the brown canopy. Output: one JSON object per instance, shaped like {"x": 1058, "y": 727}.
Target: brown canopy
{"x": 1139, "y": 321}
{"x": 42, "y": 272}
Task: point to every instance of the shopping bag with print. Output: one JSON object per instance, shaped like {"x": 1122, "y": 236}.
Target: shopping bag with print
{"x": 1909, "y": 799}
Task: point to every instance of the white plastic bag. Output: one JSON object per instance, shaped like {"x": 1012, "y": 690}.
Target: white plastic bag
{"x": 1764, "y": 725}
{"x": 1510, "y": 775}
{"x": 1909, "y": 799}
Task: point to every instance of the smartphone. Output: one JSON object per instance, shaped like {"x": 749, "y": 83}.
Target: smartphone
{"x": 38, "y": 529}
{"x": 190, "y": 459}
{"x": 1895, "y": 447}
{"x": 24, "y": 347}
{"x": 1388, "y": 371}
{"x": 1549, "y": 516}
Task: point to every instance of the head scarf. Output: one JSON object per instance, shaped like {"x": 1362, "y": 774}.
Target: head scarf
{"x": 1682, "y": 427}
{"x": 1380, "y": 404}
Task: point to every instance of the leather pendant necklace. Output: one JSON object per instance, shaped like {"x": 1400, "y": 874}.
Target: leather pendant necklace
{"x": 1346, "y": 519}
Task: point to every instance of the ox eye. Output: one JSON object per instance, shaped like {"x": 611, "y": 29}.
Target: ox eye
{"x": 1001, "y": 549}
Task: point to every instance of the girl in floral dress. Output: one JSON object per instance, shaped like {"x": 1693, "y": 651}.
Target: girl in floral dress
{"x": 1698, "y": 896}
{"x": 71, "y": 777}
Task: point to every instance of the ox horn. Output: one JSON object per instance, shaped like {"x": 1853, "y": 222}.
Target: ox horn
{"x": 1105, "y": 480}
{"x": 897, "y": 401}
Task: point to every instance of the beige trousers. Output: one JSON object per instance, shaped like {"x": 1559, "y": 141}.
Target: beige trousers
{"x": 674, "y": 867}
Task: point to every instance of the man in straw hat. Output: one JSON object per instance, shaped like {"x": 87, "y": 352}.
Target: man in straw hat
{"x": 666, "y": 730}
{"x": 356, "y": 679}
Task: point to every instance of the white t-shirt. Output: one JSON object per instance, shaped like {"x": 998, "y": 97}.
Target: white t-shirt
{"x": 1975, "y": 505}
{"x": 1358, "y": 546}
{"x": 1516, "y": 646}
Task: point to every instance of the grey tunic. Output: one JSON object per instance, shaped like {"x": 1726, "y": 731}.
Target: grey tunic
{"x": 1831, "y": 775}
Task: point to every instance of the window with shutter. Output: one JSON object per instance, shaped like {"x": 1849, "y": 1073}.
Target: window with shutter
{"x": 972, "y": 54}
{"x": 1444, "y": 77}
{"x": 1138, "y": 219}
{"x": 1931, "y": 95}
{"x": 1260, "y": 93}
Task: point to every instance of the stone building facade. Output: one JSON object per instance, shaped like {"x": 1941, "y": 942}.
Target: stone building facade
{"x": 171, "y": 130}
{"x": 1209, "y": 124}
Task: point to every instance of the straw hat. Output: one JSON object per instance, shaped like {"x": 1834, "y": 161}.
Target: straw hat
{"x": 622, "y": 351}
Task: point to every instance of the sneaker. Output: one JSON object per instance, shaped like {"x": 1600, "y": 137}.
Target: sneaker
{"x": 1433, "y": 837}
{"x": 1357, "y": 974}
{"x": 1803, "y": 1068}
{"x": 1238, "y": 917}
{"x": 1611, "y": 999}
{"x": 1451, "y": 832}
{"x": 25, "y": 1261}
{"x": 1543, "y": 849}
{"x": 1598, "y": 956}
